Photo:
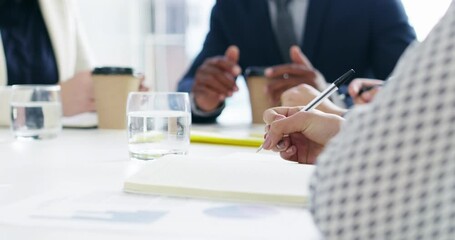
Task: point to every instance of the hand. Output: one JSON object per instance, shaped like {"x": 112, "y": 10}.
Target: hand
{"x": 367, "y": 96}
{"x": 290, "y": 75}
{"x": 299, "y": 136}
{"x": 303, "y": 94}
{"x": 215, "y": 79}
{"x": 77, "y": 94}
{"x": 142, "y": 86}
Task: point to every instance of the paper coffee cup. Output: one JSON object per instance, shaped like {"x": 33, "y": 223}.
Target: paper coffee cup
{"x": 260, "y": 101}
{"x": 111, "y": 86}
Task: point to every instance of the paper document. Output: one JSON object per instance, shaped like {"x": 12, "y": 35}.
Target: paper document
{"x": 155, "y": 217}
{"x": 247, "y": 177}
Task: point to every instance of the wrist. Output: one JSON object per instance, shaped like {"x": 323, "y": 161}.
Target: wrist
{"x": 204, "y": 113}
{"x": 204, "y": 104}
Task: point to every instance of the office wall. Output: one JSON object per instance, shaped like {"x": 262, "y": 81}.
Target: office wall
{"x": 156, "y": 37}
{"x": 115, "y": 30}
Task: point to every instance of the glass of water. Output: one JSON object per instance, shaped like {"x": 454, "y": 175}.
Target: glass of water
{"x": 36, "y": 111}
{"x": 158, "y": 124}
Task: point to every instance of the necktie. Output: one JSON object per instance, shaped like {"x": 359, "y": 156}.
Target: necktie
{"x": 284, "y": 29}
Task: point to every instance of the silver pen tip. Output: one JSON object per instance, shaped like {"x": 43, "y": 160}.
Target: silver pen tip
{"x": 259, "y": 149}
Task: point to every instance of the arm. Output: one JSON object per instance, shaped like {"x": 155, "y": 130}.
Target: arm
{"x": 77, "y": 91}
{"x": 391, "y": 35}
{"x": 215, "y": 44}
{"x": 386, "y": 175}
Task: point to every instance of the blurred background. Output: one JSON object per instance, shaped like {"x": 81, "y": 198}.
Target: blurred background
{"x": 160, "y": 37}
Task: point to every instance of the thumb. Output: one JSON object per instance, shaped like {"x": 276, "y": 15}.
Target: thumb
{"x": 285, "y": 126}
{"x": 354, "y": 87}
{"x": 232, "y": 53}
{"x": 298, "y": 57}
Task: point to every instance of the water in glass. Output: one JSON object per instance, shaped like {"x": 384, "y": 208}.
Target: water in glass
{"x": 153, "y": 134}
{"x": 36, "y": 120}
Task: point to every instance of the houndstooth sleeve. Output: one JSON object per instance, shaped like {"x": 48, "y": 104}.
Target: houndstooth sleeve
{"x": 390, "y": 172}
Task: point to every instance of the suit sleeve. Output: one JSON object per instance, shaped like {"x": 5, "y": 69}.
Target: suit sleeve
{"x": 391, "y": 35}
{"x": 215, "y": 44}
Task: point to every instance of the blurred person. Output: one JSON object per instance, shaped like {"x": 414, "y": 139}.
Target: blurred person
{"x": 41, "y": 43}
{"x": 387, "y": 171}
{"x": 368, "y": 36}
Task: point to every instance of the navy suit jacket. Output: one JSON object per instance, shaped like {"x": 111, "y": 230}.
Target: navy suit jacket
{"x": 366, "y": 35}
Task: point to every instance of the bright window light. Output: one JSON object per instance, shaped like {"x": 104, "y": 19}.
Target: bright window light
{"x": 424, "y": 14}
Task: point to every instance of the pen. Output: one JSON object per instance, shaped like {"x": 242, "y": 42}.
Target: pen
{"x": 368, "y": 88}
{"x": 323, "y": 95}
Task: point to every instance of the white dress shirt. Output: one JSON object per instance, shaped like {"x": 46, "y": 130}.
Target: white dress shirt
{"x": 298, "y": 10}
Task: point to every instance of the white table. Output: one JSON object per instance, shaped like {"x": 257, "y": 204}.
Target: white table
{"x": 96, "y": 161}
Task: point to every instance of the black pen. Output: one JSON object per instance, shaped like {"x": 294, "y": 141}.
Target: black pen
{"x": 368, "y": 88}
{"x": 324, "y": 95}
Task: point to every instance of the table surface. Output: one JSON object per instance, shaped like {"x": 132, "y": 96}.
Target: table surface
{"x": 81, "y": 162}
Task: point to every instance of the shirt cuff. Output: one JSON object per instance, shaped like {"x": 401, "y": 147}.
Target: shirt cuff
{"x": 201, "y": 113}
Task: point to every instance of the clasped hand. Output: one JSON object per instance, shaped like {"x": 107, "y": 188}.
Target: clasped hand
{"x": 215, "y": 78}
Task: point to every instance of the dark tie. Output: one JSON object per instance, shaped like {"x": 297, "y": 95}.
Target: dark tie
{"x": 284, "y": 29}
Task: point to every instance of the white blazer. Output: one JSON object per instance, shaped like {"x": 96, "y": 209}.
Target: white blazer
{"x": 67, "y": 41}
{"x": 69, "y": 46}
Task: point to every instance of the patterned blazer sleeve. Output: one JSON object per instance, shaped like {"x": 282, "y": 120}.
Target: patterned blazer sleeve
{"x": 390, "y": 172}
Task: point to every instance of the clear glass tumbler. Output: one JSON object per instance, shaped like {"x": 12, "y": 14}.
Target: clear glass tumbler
{"x": 36, "y": 111}
{"x": 158, "y": 124}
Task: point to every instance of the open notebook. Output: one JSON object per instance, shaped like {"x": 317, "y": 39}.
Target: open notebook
{"x": 248, "y": 177}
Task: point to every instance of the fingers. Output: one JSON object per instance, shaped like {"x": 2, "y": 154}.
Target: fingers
{"x": 218, "y": 74}
{"x": 285, "y": 126}
{"x": 276, "y": 88}
{"x": 282, "y": 145}
{"x": 368, "y": 96}
{"x": 225, "y": 65}
{"x": 358, "y": 83}
{"x": 213, "y": 77}
{"x": 290, "y": 70}
{"x": 289, "y": 153}
{"x": 232, "y": 53}
{"x": 288, "y": 76}
{"x": 363, "y": 90}
{"x": 273, "y": 114}
{"x": 298, "y": 57}
{"x": 142, "y": 86}
{"x": 298, "y": 96}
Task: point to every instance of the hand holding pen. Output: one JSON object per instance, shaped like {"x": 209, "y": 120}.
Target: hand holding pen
{"x": 363, "y": 90}
{"x": 323, "y": 95}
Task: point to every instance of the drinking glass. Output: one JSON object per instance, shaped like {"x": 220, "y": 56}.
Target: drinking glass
{"x": 36, "y": 111}
{"x": 158, "y": 124}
